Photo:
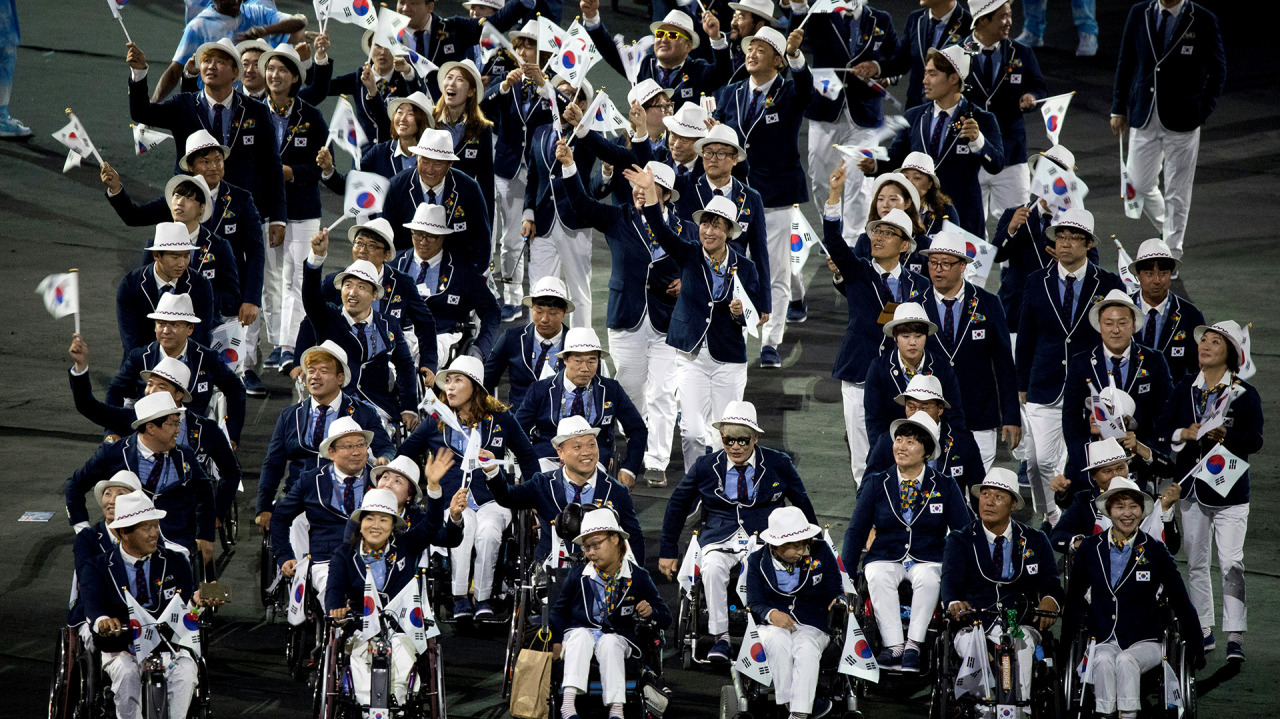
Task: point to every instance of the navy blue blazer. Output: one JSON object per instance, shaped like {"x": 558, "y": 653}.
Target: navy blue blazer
{"x": 400, "y": 301}
{"x": 539, "y": 414}
{"x": 234, "y": 219}
{"x": 807, "y": 604}
{"x": 514, "y": 351}
{"x": 981, "y": 354}
{"x": 698, "y": 317}
{"x": 137, "y": 297}
{"x": 1244, "y": 437}
{"x": 214, "y": 261}
{"x": 1047, "y": 338}
{"x": 864, "y": 339}
{"x": 89, "y": 545}
{"x": 499, "y": 433}
{"x": 771, "y": 138}
{"x": 460, "y": 291}
{"x": 475, "y": 160}
{"x": 544, "y": 493}
{"x": 836, "y": 41}
{"x": 775, "y": 478}
{"x": 1126, "y": 609}
{"x": 960, "y": 459}
{"x": 539, "y": 192}
{"x": 378, "y": 158}
{"x": 1176, "y": 340}
{"x": 1024, "y": 252}
{"x": 957, "y": 166}
{"x": 1081, "y": 518}
{"x": 1181, "y": 82}
{"x": 371, "y": 113}
{"x": 696, "y": 192}
{"x": 290, "y": 453}
{"x": 572, "y": 608}
{"x": 465, "y": 211}
{"x": 694, "y": 78}
{"x": 887, "y": 378}
{"x": 104, "y": 584}
{"x": 913, "y": 48}
{"x": 370, "y": 374}
{"x": 311, "y": 495}
{"x": 969, "y": 575}
{"x": 189, "y": 503}
{"x": 253, "y": 163}
{"x": 304, "y": 135}
{"x": 938, "y": 508}
{"x": 637, "y": 280}
{"x": 345, "y": 586}
{"x": 1147, "y": 382}
{"x": 1018, "y": 75}
{"x": 515, "y": 114}
{"x": 207, "y": 373}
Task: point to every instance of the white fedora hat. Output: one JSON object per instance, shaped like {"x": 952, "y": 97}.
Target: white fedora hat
{"x": 980, "y": 8}
{"x": 1153, "y": 249}
{"x": 528, "y": 32}
{"x": 200, "y": 183}
{"x": 1102, "y": 452}
{"x": 646, "y": 90}
{"x": 923, "y": 387}
{"x": 925, "y": 422}
{"x": 721, "y": 206}
{"x": 899, "y": 219}
{"x": 225, "y": 46}
{"x": 921, "y": 162}
{"x": 172, "y": 371}
{"x": 154, "y": 406}
{"x": 1124, "y": 484}
{"x": 435, "y": 145}
{"x": 788, "y": 524}
{"x": 689, "y": 121}
{"x": 599, "y": 520}
{"x": 495, "y": 4}
{"x": 1227, "y": 328}
{"x": 762, "y": 9}
{"x": 908, "y": 313}
{"x": 381, "y": 501}
{"x": 466, "y": 365}
{"x": 1061, "y": 156}
{"x": 570, "y": 427}
{"x": 431, "y": 219}
{"x": 400, "y": 465}
{"x": 332, "y": 349}
{"x": 339, "y": 428}
{"x": 467, "y": 67}
{"x": 174, "y": 308}
{"x": 1000, "y": 478}
{"x": 952, "y": 244}
{"x": 171, "y": 237}
{"x": 663, "y": 176}
{"x": 549, "y": 286}
{"x": 956, "y": 56}
{"x": 258, "y": 45}
{"x": 581, "y": 339}
{"x": 419, "y": 100}
{"x": 135, "y": 508}
{"x": 584, "y": 88}
{"x": 1115, "y": 298}
{"x": 768, "y": 36}
{"x": 1076, "y": 218}
{"x": 361, "y": 270}
{"x": 680, "y": 21}
{"x": 287, "y": 54}
{"x": 123, "y": 478}
{"x": 379, "y": 226}
{"x": 739, "y": 412}
{"x": 199, "y": 141}
{"x": 900, "y": 179}
{"x": 721, "y": 135}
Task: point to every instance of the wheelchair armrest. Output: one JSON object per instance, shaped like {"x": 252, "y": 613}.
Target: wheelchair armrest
{"x": 838, "y": 615}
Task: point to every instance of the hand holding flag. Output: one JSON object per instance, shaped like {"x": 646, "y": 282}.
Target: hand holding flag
{"x": 749, "y": 314}
{"x": 345, "y": 129}
{"x": 366, "y": 191}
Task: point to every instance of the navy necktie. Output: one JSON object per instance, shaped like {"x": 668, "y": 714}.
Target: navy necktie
{"x": 939, "y": 132}
{"x": 431, "y": 196}
{"x": 754, "y": 110}
{"x": 422, "y": 272}
{"x": 217, "y": 124}
{"x": 744, "y": 491}
{"x": 349, "y": 495}
{"x": 1162, "y": 29}
{"x": 317, "y": 434}
{"x": 1149, "y": 336}
{"x": 718, "y": 192}
{"x": 1117, "y": 372}
{"x": 948, "y": 321}
{"x": 1069, "y": 296}
{"x": 166, "y": 289}
{"x": 935, "y": 31}
{"x": 577, "y": 492}
{"x": 140, "y": 591}
{"x": 989, "y": 67}
{"x": 577, "y": 407}
{"x": 884, "y": 284}
{"x": 421, "y": 42}
{"x": 542, "y": 360}
{"x": 157, "y": 469}
{"x": 997, "y": 556}
{"x": 364, "y": 342}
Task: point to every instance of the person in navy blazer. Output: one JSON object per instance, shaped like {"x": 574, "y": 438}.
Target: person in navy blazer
{"x": 409, "y": 117}
{"x": 458, "y": 111}
{"x": 253, "y": 162}
{"x": 911, "y": 508}
{"x": 938, "y": 24}
{"x": 1118, "y": 580}
{"x": 579, "y": 480}
{"x": 139, "y": 294}
{"x": 1107, "y": 461}
{"x": 961, "y": 137}
{"x": 434, "y": 181}
{"x": 529, "y": 352}
{"x": 1171, "y": 71}
{"x": 1169, "y": 320}
{"x": 1211, "y": 514}
{"x": 1049, "y": 333}
{"x": 441, "y": 40}
{"x": 98, "y": 540}
{"x": 958, "y": 456}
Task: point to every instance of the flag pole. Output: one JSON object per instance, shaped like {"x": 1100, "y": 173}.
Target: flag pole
{"x": 336, "y": 223}
{"x": 1037, "y": 102}
{"x": 76, "y": 314}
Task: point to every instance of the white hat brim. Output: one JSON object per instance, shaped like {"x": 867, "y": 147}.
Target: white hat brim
{"x": 346, "y": 371}
{"x": 810, "y": 531}
{"x": 156, "y": 415}
{"x": 560, "y": 439}
{"x": 176, "y": 180}
{"x": 324, "y": 443}
{"x": 734, "y": 228}
{"x": 338, "y": 278}
{"x": 146, "y": 374}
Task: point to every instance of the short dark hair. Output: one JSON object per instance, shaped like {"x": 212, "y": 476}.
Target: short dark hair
{"x": 1134, "y": 494}
{"x": 916, "y": 432}
{"x": 942, "y": 64}
{"x": 190, "y": 190}
{"x": 554, "y": 303}
{"x": 915, "y": 327}
{"x": 1156, "y": 263}
{"x": 158, "y": 423}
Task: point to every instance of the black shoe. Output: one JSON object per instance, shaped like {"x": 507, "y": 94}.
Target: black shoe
{"x": 769, "y": 357}
{"x": 286, "y": 362}
{"x": 1235, "y": 651}
{"x": 252, "y": 384}
{"x": 797, "y": 311}
{"x": 273, "y": 360}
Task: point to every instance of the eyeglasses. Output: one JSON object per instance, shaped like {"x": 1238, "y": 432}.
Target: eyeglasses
{"x": 886, "y": 232}
{"x": 594, "y": 544}
{"x": 367, "y": 245}
{"x": 735, "y": 441}
{"x": 940, "y": 265}
{"x": 669, "y": 34}
{"x": 350, "y": 447}
{"x": 718, "y": 154}
{"x": 665, "y": 107}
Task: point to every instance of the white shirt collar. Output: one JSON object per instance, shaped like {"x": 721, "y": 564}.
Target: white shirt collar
{"x": 439, "y": 189}
{"x": 1078, "y": 274}
{"x": 1227, "y": 378}
{"x": 570, "y": 386}
{"x": 129, "y": 558}
{"x": 918, "y": 479}
{"x": 951, "y": 111}
{"x": 1160, "y": 308}
{"x": 342, "y": 475}
{"x": 160, "y": 283}
{"x": 991, "y": 537}
{"x": 144, "y": 451}
{"x": 945, "y": 18}
{"x": 433, "y": 262}
{"x": 725, "y": 189}
{"x": 397, "y": 152}
{"x": 225, "y": 103}
{"x": 539, "y": 339}
{"x": 332, "y": 407}
{"x": 895, "y": 273}
{"x": 764, "y": 89}
{"x": 351, "y": 321}
{"x": 1176, "y": 10}
{"x": 751, "y": 461}
{"x": 624, "y": 571}
{"x": 1111, "y": 355}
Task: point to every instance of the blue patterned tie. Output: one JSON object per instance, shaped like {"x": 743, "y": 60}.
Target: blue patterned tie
{"x": 140, "y": 590}
{"x": 744, "y": 490}
{"x": 349, "y": 495}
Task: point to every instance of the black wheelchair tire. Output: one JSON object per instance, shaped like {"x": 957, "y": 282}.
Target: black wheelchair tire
{"x": 728, "y": 702}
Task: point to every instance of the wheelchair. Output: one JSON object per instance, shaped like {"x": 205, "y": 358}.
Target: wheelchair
{"x": 530, "y": 585}
{"x": 864, "y": 612}
{"x": 691, "y": 618}
{"x": 646, "y": 695}
{"x": 333, "y": 692}
{"x": 304, "y": 643}
{"x": 1079, "y": 696}
{"x": 1046, "y": 700}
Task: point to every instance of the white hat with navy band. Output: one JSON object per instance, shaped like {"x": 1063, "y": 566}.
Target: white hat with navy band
{"x": 739, "y": 412}
{"x": 173, "y": 371}
{"x": 788, "y": 524}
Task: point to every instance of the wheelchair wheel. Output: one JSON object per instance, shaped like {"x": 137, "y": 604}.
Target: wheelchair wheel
{"x": 155, "y": 689}
{"x": 200, "y": 700}
{"x": 266, "y": 570}
{"x": 1187, "y": 680}
{"x": 64, "y": 685}
{"x": 940, "y": 701}
{"x": 728, "y": 702}
{"x": 229, "y": 532}
{"x": 684, "y": 630}
{"x": 327, "y": 681}
{"x": 515, "y": 638}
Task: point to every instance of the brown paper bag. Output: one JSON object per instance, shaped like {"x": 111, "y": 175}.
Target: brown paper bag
{"x": 531, "y": 682}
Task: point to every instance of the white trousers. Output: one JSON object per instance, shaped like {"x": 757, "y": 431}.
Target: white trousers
{"x": 1202, "y": 527}
{"x": 856, "y": 202}
{"x": 506, "y": 228}
{"x": 855, "y": 427}
{"x": 1117, "y": 673}
{"x": 706, "y": 387}
{"x": 271, "y": 298}
{"x": 1007, "y": 188}
{"x": 610, "y": 651}
{"x": 561, "y": 249}
{"x": 794, "y": 659}
{"x": 718, "y": 560}
{"x": 777, "y": 225}
{"x": 482, "y": 530}
{"x": 988, "y": 441}
{"x": 646, "y": 369}
{"x": 296, "y": 247}
{"x": 403, "y": 654}
{"x": 125, "y": 672}
{"x": 1150, "y": 149}
{"x": 883, "y": 579}
{"x": 1048, "y": 454}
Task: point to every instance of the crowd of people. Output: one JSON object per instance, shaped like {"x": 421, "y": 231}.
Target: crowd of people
{"x": 448, "y": 374}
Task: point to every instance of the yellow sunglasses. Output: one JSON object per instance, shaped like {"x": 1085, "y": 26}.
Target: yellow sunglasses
{"x": 669, "y": 34}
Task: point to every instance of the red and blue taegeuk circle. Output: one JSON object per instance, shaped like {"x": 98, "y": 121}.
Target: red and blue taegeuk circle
{"x": 1051, "y": 123}
{"x": 361, "y": 7}
{"x": 368, "y": 606}
{"x": 191, "y": 621}
{"x": 862, "y": 649}
{"x": 970, "y": 249}
{"x": 797, "y": 242}
{"x": 415, "y": 617}
{"x": 568, "y": 60}
{"x": 365, "y": 199}
{"x": 1059, "y": 186}
{"x": 757, "y": 652}
{"x": 1215, "y": 464}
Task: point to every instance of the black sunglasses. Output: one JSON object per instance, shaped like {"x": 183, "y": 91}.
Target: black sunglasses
{"x": 740, "y": 441}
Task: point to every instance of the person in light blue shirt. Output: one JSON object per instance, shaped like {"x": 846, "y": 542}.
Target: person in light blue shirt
{"x": 232, "y": 19}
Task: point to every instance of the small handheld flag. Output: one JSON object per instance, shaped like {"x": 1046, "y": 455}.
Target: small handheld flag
{"x": 371, "y": 611}
{"x": 752, "y": 660}
{"x": 183, "y": 621}
{"x": 856, "y": 657}
{"x": 802, "y": 240}
{"x": 1123, "y": 260}
{"x": 354, "y": 12}
{"x": 749, "y": 314}
{"x": 74, "y": 137}
{"x": 982, "y": 252}
{"x": 1132, "y": 200}
{"x": 1054, "y": 111}
{"x": 1220, "y": 469}
{"x": 366, "y": 191}
{"x": 144, "y": 138}
{"x": 116, "y": 6}
{"x": 345, "y": 130}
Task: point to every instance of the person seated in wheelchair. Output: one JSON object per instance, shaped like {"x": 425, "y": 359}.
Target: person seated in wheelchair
{"x": 325, "y": 497}
{"x": 99, "y": 539}
{"x": 463, "y": 391}
{"x": 958, "y": 456}
{"x": 389, "y": 557}
{"x": 1084, "y": 518}
{"x": 738, "y": 487}
{"x": 578, "y": 481}
{"x": 151, "y": 573}
{"x": 434, "y": 514}
{"x": 1001, "y": 563}
{"x": 529, "y": 352}
{"x": 596, "y": 612}
{"x": 792, "y": 584}
{"x": 452, "y": 287}
{"x": 911, "y": 508}
{"x": 580, "y": 390}
{"x": 1119, "y": 577}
